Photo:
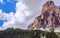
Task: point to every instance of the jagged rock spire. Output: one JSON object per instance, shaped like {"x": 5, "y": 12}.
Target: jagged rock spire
{"x": 49, "y": 18}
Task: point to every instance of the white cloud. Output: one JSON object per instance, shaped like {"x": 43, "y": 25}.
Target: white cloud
{"x": 18, "y": 19}
{"x": 1, "y": 1}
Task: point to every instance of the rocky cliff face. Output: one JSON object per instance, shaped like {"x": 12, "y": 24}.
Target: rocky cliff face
{"x": 49, "y": 17}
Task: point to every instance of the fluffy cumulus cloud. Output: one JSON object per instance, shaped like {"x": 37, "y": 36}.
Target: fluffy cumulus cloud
{"x": 1, "y": 1}
{"x": 18, "y": 19}
{"x": 26, "y": 11}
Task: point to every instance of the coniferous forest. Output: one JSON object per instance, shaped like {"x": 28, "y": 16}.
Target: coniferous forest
{"x": 19, "y": 33}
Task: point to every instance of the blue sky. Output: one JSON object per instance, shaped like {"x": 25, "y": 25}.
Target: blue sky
{"x": 7, "y": 7}
{"x": 1, "y": 22}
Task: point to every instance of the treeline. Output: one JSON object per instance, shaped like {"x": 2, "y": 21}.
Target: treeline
{"x": 19, "y": 33}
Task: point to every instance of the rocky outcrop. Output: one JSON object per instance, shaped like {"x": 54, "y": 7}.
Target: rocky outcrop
{"x": 49, "y": 17}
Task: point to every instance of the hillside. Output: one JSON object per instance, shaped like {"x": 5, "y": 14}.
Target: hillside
{"x": 19, "y": 33}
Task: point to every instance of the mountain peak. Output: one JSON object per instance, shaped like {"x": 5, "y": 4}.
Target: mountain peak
{"x": 49, "y": 17}
{"x": 49, "y": 3}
